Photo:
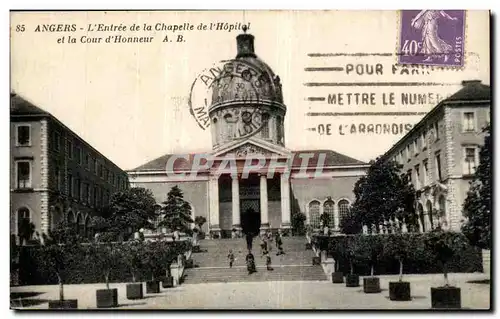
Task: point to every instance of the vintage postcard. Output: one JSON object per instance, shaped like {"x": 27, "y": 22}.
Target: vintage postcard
{"x": 250, "y": 160}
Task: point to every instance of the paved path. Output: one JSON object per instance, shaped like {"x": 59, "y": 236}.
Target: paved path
{"x": 273, "y": 295}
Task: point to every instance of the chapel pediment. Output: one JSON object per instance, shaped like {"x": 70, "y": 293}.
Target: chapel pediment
{"x": 252, "y": 148}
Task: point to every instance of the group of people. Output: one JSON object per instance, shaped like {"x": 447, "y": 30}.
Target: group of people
{"x": 265, "y": 245}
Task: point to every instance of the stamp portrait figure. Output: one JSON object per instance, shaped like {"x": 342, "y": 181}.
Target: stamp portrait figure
{"x": 432, "y": 44}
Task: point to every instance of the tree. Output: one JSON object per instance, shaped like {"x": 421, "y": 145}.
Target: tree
{"x": 298, "y": 223}
{"x": 59, "y": 253}
{"x": 477, "y": 205}
{"x": 106, "y": 255}
{"x": 383, "y": 194}
{"x": 26, "y": 230}
{"x": 134, "y": 254}
{"x": 368, "y": 248}
{"x": 325, "y": 219}
{"x": 398, "y": 246}
{"x": 200, "y": 221}
{"x": 445, "y": 245}
{"x": 131, "y": 210}
{"x": 338, "y": 250}
{"x": 176, "y": 211}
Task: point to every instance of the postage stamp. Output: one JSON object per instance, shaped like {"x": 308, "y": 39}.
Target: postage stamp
{"x": 432, "y": 37}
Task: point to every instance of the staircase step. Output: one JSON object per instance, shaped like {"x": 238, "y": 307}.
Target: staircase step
{"x": 212, "y": 265}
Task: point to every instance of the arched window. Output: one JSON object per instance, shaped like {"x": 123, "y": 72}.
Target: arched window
{"x": 56, "y": 217}
{"x": 422, "y": 217}
{"x": 88, "y": 229}
{"x": 343, "y": 209}
{"x": 80, "y": 225}
{"x": 23, "y": 219}
{"x": 442, "y": 211}
{"x": 328, "y": 208}
{"x": 71, "y": 217}
{"x": 430, "y": 214}
{"x": 314, "y": 220}
{"x": 265, "y": 125}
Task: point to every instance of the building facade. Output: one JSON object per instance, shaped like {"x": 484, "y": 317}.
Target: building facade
{"x": 441, "y": 154}
{"x": 247, "y": 115}
{"x": 55, "y": 174}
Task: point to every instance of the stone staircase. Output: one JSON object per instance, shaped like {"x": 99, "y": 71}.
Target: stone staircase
{"x": 212, "y": 265}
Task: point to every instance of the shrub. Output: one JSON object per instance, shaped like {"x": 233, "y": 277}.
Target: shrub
{"x": 420, "y": 261}
{"x": 34, "y": 270}
{"x": 368, "y": 249}
{"x": 444, "y": 246}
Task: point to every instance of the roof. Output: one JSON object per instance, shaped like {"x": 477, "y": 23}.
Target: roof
{"x": 181, "y": 163}
{"x": 473, "y": 90}
{"x": 20, "y": 106}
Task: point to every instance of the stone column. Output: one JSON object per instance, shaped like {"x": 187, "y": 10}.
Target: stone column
{"x": 264, "y": 208}
{"x": 213, "y": 189}
{"x": 235, "y": 201}
{"x": 285, "y": 202}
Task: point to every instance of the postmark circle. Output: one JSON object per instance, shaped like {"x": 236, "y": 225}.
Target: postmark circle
{"x": 231, "y": 89}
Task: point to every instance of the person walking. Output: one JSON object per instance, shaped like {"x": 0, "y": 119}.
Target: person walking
{"x": 230, "y": 256}
{"x": 268, "y": 260}
{"x": 279, "y": 244}
{"x": 263, "y": 245}
{"x": 250, "y": 263}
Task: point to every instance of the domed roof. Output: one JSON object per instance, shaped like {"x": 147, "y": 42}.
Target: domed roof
{"x": 246, "y": 79}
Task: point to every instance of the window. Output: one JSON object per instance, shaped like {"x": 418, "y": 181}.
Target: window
{"x": 23, "y": 218}
{"x": 87, "y": 161}
{"x": 328, "y": 208}
{"x": 69, "y": 146}
{"x": 23, "y": 174}
{"x": 79, "y": 154}
{"x": 438, "y": 166}
{"x": 401, "y": 156}
{"x": 97, "y": 167}
{"x": 469, "y": 122}
{"x": 85, "y": 195}
{"x": 23, "y": 135}
{"x": 343, "y": 209}
{"x": 314, "y": 214}
{"x": 78, "y": 187}
{"x": 408, "y": 173}
{"x": 265, "y": 125}
{"x": 426, "y": 171}
{"x": 89, "y": 193}
{"x": 424, "y": 139}
{"x": 57, "y": 141}
{"x": 70, "y": 185}
{"x": 58, "y": 178}
{"x": 96, "y": 194}
{"x": 470, "y": 162}
{"x": 408, "y": 154}
{"x": 415, "y": 146}
{"x": 436, "y": 129}
{"x": 417, "y": 176}
{"x": 101, "y": 171}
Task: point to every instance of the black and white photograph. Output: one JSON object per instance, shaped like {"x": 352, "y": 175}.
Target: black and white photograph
{"x": 250, "y": 160}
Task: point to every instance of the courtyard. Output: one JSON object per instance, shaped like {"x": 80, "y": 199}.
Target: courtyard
{"x": 267, "y": 295}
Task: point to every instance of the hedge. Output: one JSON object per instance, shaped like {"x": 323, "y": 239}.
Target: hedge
{"x": 422, "y": 261}
{"x": 33, "y": 271}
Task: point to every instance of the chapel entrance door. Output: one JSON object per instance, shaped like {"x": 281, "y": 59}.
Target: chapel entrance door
{"x": 250, "y": 216}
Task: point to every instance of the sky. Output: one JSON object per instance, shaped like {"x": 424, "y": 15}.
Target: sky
{"x": 130, "y": 100}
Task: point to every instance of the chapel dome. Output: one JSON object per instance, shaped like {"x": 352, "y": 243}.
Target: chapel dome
{"x": 246, "y": 79}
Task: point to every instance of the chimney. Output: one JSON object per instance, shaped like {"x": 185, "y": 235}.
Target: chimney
{"x": 469, "y": 82}
{"x": 245, "y": 45}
